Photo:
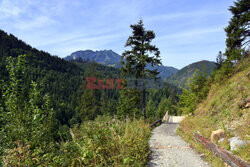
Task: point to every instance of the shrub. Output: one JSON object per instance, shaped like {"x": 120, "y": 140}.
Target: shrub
{"x": 108, "y": 142}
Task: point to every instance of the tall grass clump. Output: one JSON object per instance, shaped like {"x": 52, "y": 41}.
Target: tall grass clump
{"x": 108, "y": 142}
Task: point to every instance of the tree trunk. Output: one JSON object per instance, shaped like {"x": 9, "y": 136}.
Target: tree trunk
{"x": 144, "y": 97}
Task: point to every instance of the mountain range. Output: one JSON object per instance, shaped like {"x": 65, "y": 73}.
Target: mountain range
{"x": 12, "y": 46}
{"x": 104, "y": 57}
{"x": 64, "y": 80}
{"x": 112, "y": 59}
{"x": 167, "y": 73}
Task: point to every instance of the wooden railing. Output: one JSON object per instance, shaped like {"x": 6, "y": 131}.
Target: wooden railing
{"x": 156, "y": 122}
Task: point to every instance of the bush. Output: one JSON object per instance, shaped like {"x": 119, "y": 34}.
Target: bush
{"x": 25, "y": 117}
{"x": 23, "y": 155}
{"x": 108, "y": 142}
{"x": 199, "y": 87}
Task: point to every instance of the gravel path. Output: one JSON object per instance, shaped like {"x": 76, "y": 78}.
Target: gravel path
{"x": 170, "y": 150}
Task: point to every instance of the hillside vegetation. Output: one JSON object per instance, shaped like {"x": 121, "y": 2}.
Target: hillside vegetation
{"x": 105, "y": 141}
{"x": 226, "y": 107}
{"x": 42, "y": 97}
{"x": 64, "y": 81}
{"x": 181, "y": 77}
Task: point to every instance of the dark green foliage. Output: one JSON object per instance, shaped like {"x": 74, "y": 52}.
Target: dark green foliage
{"x": 93, "y": 102}
{"x": 219, "y": 60}
{"x": 135, "y": 60}
{"x": 151, "y": 108}
{"x": 198, "y": 89}
{"x": 157, "y": 96}
{"x": 90, "y": 105}
{"x": 238, "y": 31}
{"x": 129, "y": 103}
{"x": 108, "y": 142}
{"x": 62, "y": 80}
{"x": 222, "y": 73}
{"x": 187, "y": 103}
{"x": 237, "y": 42}
{"x": 181, "y": 77}
{"x": 26, "y": 116}
{"x": 164, "y": 106}
{"x": 43, "y": 96}
{"x": 199, "y": 85}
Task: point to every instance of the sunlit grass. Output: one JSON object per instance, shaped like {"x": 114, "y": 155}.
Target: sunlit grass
{"x": 109, "y": 142}
{"x": 221, "y": 110}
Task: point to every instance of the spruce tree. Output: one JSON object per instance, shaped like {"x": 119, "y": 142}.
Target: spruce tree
{"x": 238, "y": 30}
{"x": 141, "y": 54}
{"x": 219, "y": 60}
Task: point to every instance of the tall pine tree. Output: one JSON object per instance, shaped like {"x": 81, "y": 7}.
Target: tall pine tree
{"x": 141, "y": 54}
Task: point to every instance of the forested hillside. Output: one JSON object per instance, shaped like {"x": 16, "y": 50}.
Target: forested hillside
{"x": 218, "y": 106}
{"x": 181, "y": 77}
{"x": 225, "y": 107}
{"x": 97, "y": 108}
{"x": 45, "y": 96}
{"x": 62, "y": 80}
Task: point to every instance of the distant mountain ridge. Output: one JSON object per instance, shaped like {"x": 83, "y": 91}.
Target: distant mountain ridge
{"x": 180, "y": 78}
{"x": 110, "y": 58}
{"x": 105, "y": 57}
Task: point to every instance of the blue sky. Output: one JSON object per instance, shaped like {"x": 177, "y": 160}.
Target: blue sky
{"x": 186, "y": 30}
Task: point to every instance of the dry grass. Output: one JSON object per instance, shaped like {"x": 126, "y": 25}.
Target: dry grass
{"x": 222, "y": 110}
{"x": 109, "y": 142}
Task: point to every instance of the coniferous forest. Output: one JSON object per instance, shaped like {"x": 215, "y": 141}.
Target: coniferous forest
{"x": 56, "y": 90}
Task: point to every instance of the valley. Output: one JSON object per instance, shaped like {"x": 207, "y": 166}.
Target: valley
{"x": 90, "y": 106}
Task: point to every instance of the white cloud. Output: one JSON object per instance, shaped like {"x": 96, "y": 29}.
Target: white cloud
{"x": 37, "y": 22}
{"x": 192, "y": 33}
{"x": 9, "y": 9}
{"x": 63, "y": 26}
{"x": 66, "y": 47}
{"x": 29, "y": 14}
{"x": 183, "y": 15}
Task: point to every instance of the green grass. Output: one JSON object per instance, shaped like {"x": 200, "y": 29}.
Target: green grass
{"x": 221, "y": 111}
{"x": 108, "y": 142}
{"x": 105, "y": 141}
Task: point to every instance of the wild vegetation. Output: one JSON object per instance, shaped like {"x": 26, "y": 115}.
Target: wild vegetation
{"x": 109, "y": 142}
{"x": 181, "y": 77}
{"x": 49, "y": 118}
{"x": 43, "y": 97}
{"x": 221, "y": 100}
{"x": 223, "y": 108}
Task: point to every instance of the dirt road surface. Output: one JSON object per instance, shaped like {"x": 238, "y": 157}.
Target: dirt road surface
{"x": 170, "y": 150}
